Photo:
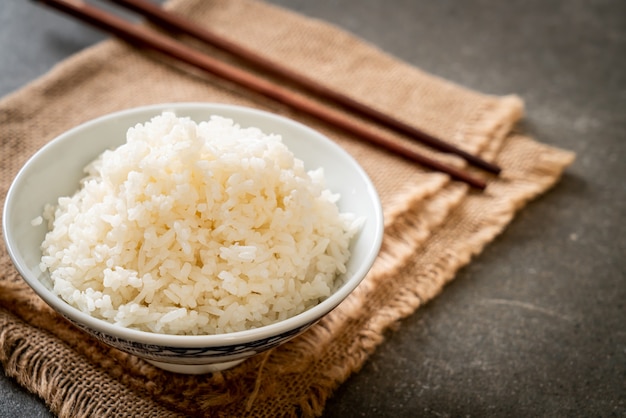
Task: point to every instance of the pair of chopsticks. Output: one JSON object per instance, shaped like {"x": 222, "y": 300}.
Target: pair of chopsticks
{"x": 141, "y": 36}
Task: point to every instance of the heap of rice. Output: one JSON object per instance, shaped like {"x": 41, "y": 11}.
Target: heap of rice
{"x": 197, "y": 229}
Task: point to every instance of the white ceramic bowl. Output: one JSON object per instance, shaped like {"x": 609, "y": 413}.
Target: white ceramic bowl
{"x": 56, "y": 169}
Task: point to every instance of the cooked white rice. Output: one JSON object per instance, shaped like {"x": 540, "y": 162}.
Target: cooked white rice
{"x": 197, "y": 229}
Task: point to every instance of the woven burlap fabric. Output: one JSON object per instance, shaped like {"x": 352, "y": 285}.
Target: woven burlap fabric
{"x": 433, "y": 226}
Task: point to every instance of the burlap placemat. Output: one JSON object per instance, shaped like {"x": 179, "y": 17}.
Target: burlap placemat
{"x": 433, "y": 226}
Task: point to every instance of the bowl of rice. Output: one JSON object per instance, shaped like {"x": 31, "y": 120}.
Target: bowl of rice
{"x": 192, "y": 235}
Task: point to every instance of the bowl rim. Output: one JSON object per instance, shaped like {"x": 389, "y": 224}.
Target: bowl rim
{"x": 212, "y": 340}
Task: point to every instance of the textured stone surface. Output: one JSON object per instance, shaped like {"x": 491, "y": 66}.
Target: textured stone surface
{"x": 535, "y": 325}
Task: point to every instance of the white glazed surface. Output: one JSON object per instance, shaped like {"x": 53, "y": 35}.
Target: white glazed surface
{"x": 56, "y": 169}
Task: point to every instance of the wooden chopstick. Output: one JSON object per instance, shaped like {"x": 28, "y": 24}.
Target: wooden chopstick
{"x": 171, "y": 21}
{"x": 141, "y": 36}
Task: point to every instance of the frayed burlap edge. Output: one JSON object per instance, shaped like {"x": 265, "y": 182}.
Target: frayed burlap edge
{"x": 23, "y": 359}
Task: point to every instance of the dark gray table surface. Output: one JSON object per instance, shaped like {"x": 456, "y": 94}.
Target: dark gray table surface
{"x": 535, "y": 325}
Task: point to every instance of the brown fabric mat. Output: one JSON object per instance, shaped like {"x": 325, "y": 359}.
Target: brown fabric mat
{"x": 433, "y": 226}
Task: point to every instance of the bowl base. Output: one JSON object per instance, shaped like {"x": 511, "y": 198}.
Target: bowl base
{"x": 195, "y": 368}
